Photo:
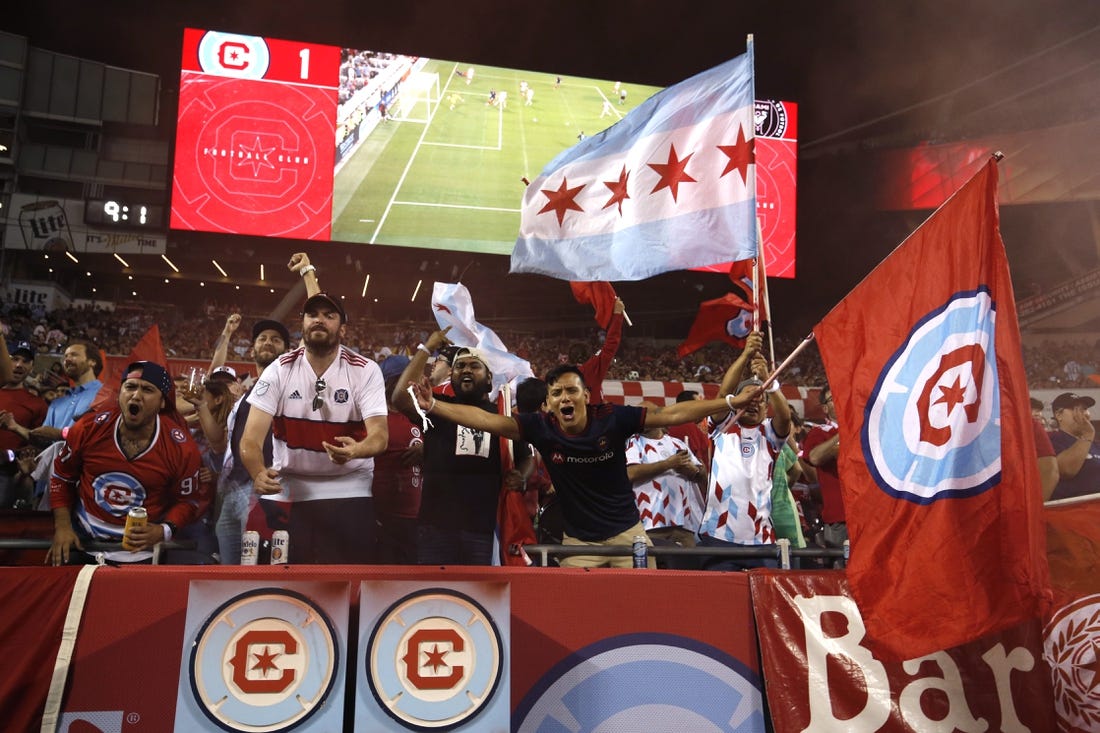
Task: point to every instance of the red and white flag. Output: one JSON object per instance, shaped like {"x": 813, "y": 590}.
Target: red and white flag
{"x": 726, "y": 319}
{"x": 937, "y": 458}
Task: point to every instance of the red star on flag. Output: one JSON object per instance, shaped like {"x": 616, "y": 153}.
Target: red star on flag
{"x": 740, "y": 154}
{"x": 672, "y": 173}
{"x": 618, "y": 190}
{"x": 952, "y": 395}
{"x": 561, "y": 200}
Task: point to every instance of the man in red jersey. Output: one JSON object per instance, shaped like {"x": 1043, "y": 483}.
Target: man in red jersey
{"x": 18, "y": 406}
{"x": 137, "y": 454}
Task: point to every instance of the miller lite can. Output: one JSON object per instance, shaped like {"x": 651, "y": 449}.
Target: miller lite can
{"x": 250, "y": 547}
{"x": 280, "y": 546}
{"x": 136, "y": 517}
{"x": 641, "y": 554}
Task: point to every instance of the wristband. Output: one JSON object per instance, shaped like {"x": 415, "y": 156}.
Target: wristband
{"x": 430, "y": 407}
{"x": 307, "y": 268}
{"x": 169, "y": 530}
{"x": 425, "y": 349}
{"x": 774, "y": 386}
{"x": 729, "y": 402}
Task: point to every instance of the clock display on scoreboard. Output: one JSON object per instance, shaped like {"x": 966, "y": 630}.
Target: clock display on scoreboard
{"x": 309, "y": 141}
{"x": 120, "y": 213}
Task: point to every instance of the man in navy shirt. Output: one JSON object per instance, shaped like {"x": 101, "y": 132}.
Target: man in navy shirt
{"x": 1075, "y": 446}
{"x": 584, "y": 449}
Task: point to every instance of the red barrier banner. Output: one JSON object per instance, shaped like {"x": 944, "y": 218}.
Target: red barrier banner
{"x": 823, "y": 674}
{"x": 596, "y": 650}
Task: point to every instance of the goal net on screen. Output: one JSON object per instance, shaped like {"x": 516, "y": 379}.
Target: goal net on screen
{"x": 418, "y": 97}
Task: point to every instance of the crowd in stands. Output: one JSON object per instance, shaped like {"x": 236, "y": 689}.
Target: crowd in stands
{"x": 357, "y": 68}
{"x": 195, "y": 336}
{"x": 1051, "y": 365}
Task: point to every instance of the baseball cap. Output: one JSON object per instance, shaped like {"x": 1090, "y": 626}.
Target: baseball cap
{"x": 152, "y": 373}
{"x": 225, "y": 373}
{"x": 23, "y": 348}
{"x": 269, "y": 325}
{"x": 316, "y": 300}
{"x": 393, "y": 366}
{"x": 1069, "y": 399}
{"x": 469, "y": 352}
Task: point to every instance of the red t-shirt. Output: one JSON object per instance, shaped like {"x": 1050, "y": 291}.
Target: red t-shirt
{"x": 29, "y": 411}
{"x": 396, "y": 487}
{"x": 828, "y": 479}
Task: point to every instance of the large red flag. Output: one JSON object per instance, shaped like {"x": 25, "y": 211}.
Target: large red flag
{"x": 600, "y": 295}
{"x": 926, "y": 367}
{"x": 149, "y": 348}
{"x": 726, "y": 319}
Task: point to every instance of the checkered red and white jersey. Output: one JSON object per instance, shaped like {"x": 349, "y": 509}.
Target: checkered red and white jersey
{"x": 802, "y": 400}
{"x": 739, "y": 494}
{"x": 668, "y": 499}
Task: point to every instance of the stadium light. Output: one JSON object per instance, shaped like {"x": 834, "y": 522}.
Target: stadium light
{"x": 261, "y": 272}
{"x": 170, "y": 263}
{"x": 418, "y": 284}
{"x": 72, "y": 257}
{"x": 223, "y": 272}
{"x": 366, "y": 282}
{"x": 119, "y": 258}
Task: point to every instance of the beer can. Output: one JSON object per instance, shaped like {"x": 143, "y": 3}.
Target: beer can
{"x": 640, "y": 552}
{"x": 136, "y": 517}
{"x": 280, "y": 546}
{"x": 250, "y": 547}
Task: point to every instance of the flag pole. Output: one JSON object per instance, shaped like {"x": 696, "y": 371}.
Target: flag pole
{"x": 775, "y": 372}
{"x": 762, "y": 265}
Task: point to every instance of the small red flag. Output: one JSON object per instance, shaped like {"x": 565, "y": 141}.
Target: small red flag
{"x": 149, "y": 348}
{"x": 600, "y": 295}
{"x": 726, "y": 319}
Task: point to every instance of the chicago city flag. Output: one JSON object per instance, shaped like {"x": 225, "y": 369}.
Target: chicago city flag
{"x": 669, "y": 187}
{"x": 937, "y": 458}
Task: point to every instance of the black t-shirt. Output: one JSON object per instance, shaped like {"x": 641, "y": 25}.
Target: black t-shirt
{"x": 589, "y": 470}
{"x": 462, "y": 474}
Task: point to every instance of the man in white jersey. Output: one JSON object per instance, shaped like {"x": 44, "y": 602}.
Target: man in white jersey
{"x": 327, "y": 408}
{"x": 667, "y": 480}
{"x": 738, "y": 506}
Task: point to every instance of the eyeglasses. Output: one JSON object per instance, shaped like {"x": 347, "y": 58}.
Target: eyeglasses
{"x": 319, "y": 387}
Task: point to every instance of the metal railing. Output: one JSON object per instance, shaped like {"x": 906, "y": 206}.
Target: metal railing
{"x": 781, "y": 552}
{"x": 92, "y": 547}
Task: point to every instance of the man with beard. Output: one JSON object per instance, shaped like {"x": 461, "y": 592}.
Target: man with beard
{"x": 463, "y": 472}
{"x": 18, "y": 406}
{"x": 327, "y": 407}
{"x": 135, "y": 454}
{"x": 82, "y": 364}
{"x": 738, "y": 506}
{"x": 584, "y": 450}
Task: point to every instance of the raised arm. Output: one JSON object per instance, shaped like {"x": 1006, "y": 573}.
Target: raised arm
{"x": 468, "y": 415}
{"x": 6, "y": 367}
{"x": 740, "y": 366}
{"x": 413, "y": 373}
{"x": 299, "y": 263}
{"x": 221, "y": 348}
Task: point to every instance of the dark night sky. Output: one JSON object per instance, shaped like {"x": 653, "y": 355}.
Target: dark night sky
{"x": 860, "y": 71}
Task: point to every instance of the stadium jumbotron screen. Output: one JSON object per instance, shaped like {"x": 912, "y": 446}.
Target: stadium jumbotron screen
{"x": 285, "y": 139}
